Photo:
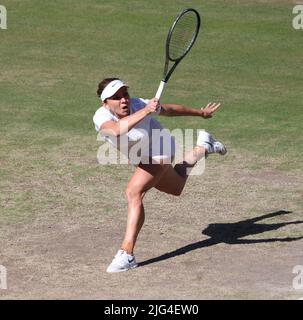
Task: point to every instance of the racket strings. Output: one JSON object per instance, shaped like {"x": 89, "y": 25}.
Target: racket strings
{"x": 182, "y": 36}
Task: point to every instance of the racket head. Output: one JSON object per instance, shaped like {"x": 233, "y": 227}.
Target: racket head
{"x": 182, "y": 34}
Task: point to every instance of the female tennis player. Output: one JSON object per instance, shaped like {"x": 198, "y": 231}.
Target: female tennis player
{"x": 128, "y": 122}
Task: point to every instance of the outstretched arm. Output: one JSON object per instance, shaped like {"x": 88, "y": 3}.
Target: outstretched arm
{"x": 173, "y": 110}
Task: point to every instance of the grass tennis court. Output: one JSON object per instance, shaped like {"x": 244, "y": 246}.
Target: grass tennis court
{"x": 237, "y": 231}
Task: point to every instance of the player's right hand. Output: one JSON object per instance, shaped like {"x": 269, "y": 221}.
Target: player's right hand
{"x": 152, "y": 105}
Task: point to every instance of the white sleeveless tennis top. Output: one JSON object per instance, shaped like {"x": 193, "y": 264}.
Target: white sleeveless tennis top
{"x": 147, "y": 139}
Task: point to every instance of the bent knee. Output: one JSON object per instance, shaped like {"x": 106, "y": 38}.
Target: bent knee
{"x": 172, "y": 191}
{"x": 176, "y": 192}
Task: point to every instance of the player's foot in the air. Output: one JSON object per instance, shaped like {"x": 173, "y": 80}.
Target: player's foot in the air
{"x": 211, "y": 145}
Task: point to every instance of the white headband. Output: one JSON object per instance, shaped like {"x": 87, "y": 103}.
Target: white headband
{"x": 111, "y": 89}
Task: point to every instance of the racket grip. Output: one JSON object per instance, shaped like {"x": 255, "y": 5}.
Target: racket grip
{"x": 160, "y": 90}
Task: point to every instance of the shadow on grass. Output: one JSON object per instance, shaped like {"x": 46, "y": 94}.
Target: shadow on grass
{"x": 231, "y": 233}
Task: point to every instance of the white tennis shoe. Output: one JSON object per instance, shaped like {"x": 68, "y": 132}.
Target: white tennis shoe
{"x": 207, "y": 141}
{"x": 122, "y": 262}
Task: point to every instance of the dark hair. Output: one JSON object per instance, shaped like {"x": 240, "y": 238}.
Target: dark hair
{"x": 103, "y": 84}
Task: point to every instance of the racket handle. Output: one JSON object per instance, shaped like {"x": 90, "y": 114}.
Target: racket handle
{"x": 160, "y": 90}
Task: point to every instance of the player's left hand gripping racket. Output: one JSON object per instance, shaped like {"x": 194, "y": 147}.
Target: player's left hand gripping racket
{"x": 180, "y": 39}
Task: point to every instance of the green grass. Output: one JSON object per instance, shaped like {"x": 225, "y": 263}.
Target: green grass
{"x": 53, "y": 54}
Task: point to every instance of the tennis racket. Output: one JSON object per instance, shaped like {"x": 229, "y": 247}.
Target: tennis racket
{"x": 180, "y": 39}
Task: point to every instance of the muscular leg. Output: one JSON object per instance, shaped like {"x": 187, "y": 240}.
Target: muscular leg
{"x": 174, "y": 179}
{"x": 161, "y": 176}
{"x": 144, "y": 178}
